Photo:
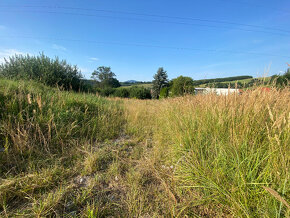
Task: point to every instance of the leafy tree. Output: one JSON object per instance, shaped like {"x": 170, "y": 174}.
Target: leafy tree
{"x": 51, "y": 72}
{"x": 103, "y": 73}
{"x": 105, "y": 78}
{"x": 182, "y": 85}
{"x": 160, "y": 81}
{"x": 111, "y": 83}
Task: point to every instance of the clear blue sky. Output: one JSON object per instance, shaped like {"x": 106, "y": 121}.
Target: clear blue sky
{"x": 135, "y": 45}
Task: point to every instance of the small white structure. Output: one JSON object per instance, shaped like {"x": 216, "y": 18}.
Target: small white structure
{"x": 218, "y": 91}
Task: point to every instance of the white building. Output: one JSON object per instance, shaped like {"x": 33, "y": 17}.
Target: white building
{"x": 218, "y": 91}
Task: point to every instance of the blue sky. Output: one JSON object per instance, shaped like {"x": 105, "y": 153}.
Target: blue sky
{"x": 96, "y": 33}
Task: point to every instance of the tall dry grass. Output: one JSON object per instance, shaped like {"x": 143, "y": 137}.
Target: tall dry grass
{"x": 223, "y": 149}
{"x": 41, "y": 132}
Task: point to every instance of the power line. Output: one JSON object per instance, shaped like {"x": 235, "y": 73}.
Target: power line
{"x": 146, "y": 45}
{"x": 255, "y": 5}
{"x": 154, "y": 21}
{"x": 152, "y": 15}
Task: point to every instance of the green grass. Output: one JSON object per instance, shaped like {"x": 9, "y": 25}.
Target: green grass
{"x": 139, "y": 85}
{"x": 41, "y": 130}
{"x": 79, "y": 155}
{"x": 243, "y": 81}
{"x": 223, "y": 150}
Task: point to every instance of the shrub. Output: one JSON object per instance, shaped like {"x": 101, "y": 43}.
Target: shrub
{"x": 122, "y": 93}
{"x": 106, "y": 92}
{"x": 111, "y": 83}
{"x": 182, "y": 85}
{"x": 51, "y": 72}
{"x": 164, "y": 92}
{"x": 139, "y": 93}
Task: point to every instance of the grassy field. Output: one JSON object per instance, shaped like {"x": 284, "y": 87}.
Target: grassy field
{"x": 70, "y": 154}
{"x": 264, "y": 80}
{"x": 147, "y": 85}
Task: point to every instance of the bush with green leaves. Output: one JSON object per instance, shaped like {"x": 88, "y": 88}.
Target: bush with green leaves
{"x": 139, "y": 92}
{"x": 122, "y": 93}
{"x": 41, "y": 68}
{"x": 182, "y": 85}
{"x": 164, "y": 92}
{"x": 106, "y": 92}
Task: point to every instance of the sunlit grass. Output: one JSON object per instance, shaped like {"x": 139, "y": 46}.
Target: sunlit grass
{"x": 224, "y": 149}
{"x": 73, "y": 154}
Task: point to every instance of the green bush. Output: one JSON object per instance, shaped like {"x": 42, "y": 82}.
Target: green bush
{"x": 139, "y": 93}
{"x": 132, "y": 92}
{"x": 182, "y": 85}
{"x": 164, "y": 92}
{"x": 122, "y": 93}
{"x": 107, "y": 92}
{"x": 110, "y": 83}
{"x": 51, "y": 72}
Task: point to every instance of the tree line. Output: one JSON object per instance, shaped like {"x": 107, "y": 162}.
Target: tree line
{"x": 59, "y": 73}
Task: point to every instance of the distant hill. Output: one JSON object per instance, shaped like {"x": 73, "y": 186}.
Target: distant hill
{"x": 224, "y": 79}
{"x": 134, "y": 82}
{"x": 131, "y": 82}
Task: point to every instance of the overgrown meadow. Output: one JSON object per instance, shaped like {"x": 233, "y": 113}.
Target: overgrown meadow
{"x": 66, "y": 152}
{"x": 79, "y": 155}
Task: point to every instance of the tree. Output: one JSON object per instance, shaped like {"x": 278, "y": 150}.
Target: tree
{"x": 105, "y": 78}
{"x": 111, "y": 83}
{"x": 182, "y": 85}
{"x": 103, "y": 73}
{"x": 160, "y": 81}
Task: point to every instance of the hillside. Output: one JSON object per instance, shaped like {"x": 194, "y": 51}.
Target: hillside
{"x": 243, "y": 80}
{"x": 71, "y": 154}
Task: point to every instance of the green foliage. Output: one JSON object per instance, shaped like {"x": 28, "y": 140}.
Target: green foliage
{"x": 105, "y": 78}
{"x": 182, "y": 85}
{"x": 122, "y": 93}
{"x": 132, "y": 92}
{"x": 217, "y": 80}
{"x": 135, "y": 83}
{"x": 106, "y": 92}
{"x": 281, "y": 80}
{"x": 160, "y": 81}
{"x": 51, "y": 72}
{"x": 139, "y": 93}
{"x": 111, "y": 82}
{"x": 103, "y": 73}
{"x": 164, "y": 92}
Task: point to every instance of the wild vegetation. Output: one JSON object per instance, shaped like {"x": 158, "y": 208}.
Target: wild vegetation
{"x": 67, "y": 153}
{"x": 51, "y": 72}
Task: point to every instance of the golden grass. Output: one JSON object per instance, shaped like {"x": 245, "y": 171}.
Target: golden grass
{"x": 224, "y": 149}
{"x": 192, "y": 156}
